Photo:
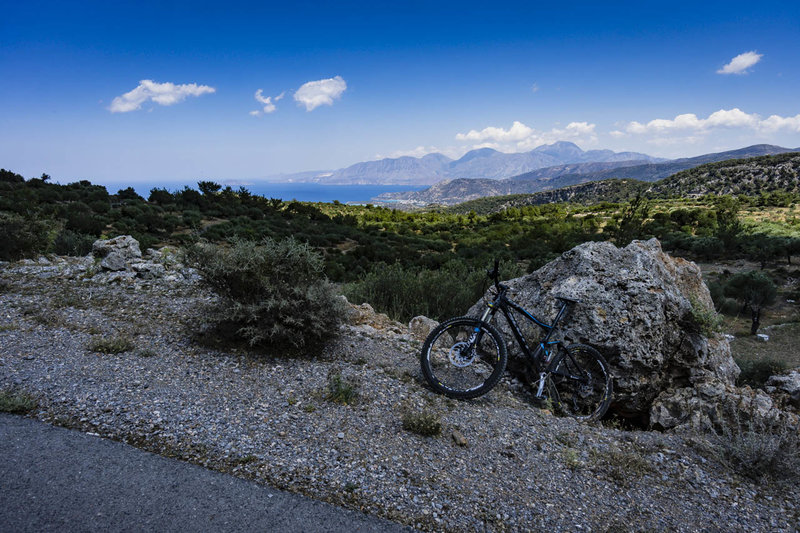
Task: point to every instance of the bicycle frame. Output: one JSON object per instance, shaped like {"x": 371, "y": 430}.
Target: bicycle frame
{"x": 541, "y": 353}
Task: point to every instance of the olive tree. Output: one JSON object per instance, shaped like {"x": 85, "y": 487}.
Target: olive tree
{"x": 755, "y": 291}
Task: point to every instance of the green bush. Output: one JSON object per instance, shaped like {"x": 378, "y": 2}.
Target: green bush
{"x": 704, "y": 320}
{"x": 341, "y": 390}
{"x": 403, "y": 293}
{"x": 273, "y": 292}
{"x": 22, "y": 237}
{"x": 71, "y": 243}
{"x": 756, "y": 372}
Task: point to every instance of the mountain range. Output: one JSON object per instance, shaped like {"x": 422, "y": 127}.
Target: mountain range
{"x": 484, "y": 163}
{"x": 455, "y": 191}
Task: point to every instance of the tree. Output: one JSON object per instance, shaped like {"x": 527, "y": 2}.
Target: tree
{"x": 755, "y": 291}
{"x": 762, "y": 248}
{"x": 631, "y": 221}
{"x": 160, "y": 196}
{"x": 128, "y": 194}
{"x": 208, "y": 187}
{"x": 791, "y": 246}
{"x": 728, "y": 225}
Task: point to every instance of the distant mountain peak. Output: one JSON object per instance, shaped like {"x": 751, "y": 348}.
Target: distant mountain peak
{"x": 474, "y": 154}
{"x": 559, "y": 145}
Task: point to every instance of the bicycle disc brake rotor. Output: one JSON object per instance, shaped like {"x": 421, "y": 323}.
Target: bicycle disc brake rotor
{"x": 586, "y": 388}
{"x": 461, "y": 354}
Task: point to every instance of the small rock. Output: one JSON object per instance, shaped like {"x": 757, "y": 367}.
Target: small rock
{"x": 421, "y": 326}
{"x": 458, "y": 438}
{"x": 340, "y": 435}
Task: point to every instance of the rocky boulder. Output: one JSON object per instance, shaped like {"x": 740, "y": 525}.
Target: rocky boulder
{"x": 640, "y": 308}
{"x": 712, "y": 405}
{"x": 116, "y": 253}
{"x": 787, "y": 386}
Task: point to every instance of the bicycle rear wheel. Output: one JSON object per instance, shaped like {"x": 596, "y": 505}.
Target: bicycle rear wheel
{"x": 463, "y": 358}
{"x": 580, "y": 383}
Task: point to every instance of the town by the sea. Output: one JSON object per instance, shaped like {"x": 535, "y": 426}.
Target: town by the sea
{"x": 302, "y": 192}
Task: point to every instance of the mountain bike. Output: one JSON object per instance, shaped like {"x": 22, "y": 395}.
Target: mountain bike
{"x": 464, "y": 357}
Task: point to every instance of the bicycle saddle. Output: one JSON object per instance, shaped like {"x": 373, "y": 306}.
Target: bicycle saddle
{"x": 565, "y": 299}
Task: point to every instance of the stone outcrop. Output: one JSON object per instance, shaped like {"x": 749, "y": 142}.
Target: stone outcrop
{"x": 116, "y": 253}
{"x": 121, "y": 260}
{"x": 639, "y": 307}
{"x": 712, "y": 405}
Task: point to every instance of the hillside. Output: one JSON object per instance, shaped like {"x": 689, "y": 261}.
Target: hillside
{"x": 750, "y": 177}
{"x": 613, "y": 190}
{"x": 552, "y": 178}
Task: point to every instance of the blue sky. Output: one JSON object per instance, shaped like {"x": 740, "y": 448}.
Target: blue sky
{"x": 362, "y": 81}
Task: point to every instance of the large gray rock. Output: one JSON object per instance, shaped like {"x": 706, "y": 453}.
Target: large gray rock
{"x": 637, "y": 308}
{"x": 116, "y": 253}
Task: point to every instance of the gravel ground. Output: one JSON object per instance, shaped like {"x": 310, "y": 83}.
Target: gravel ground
{"x": 499, "y": 463}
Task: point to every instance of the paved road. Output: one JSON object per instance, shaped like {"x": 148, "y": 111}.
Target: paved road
{"x": 55, "y": 479}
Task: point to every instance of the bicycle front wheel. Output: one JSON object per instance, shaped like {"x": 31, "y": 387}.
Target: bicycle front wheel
{"x": 463, "y": 358}
{"x": 580, "y": 383}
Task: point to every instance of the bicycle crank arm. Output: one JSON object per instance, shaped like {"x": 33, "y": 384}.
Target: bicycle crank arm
{"x": 542, "y": 378}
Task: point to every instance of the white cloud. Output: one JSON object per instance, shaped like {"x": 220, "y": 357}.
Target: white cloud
{"x": 740, "y": 63}
{"x": 535, "y": 88}
{"x": 160, "y": 93}
{"x": 321, "y": 92}
{"x": 520, "y": 138}
{"x": 517, "y": 132}
{"x": 269, "y": 103}
{"x": 724, "y": 118}
{"x": 775, "y": 123}
{"x": 617, "y": 134}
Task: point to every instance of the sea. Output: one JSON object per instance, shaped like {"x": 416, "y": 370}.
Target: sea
{"x": 302, "y": 192}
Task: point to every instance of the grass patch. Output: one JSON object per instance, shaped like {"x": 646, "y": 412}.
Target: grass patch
{"x": 756, "y": 450}
{"x": 341, "y": 390}
{"x": 621, "y": 466}
{"x": 426, "y": 423}
{"x": 111, "y": 345}
{"x": 16, "y": 402}
{"x": 67, "y": 298}
{"x": 571, "y": 458}
{"x": 244, "y": 460}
